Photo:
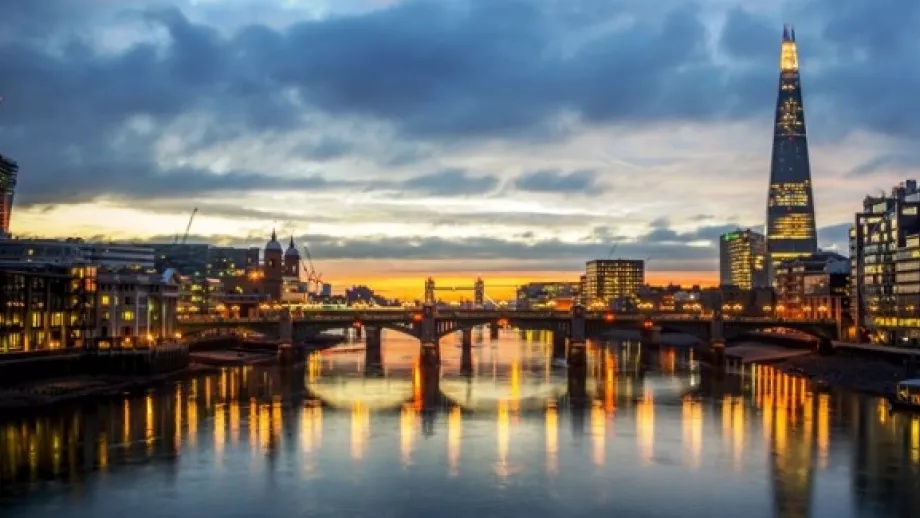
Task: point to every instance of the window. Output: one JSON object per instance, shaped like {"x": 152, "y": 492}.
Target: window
{"x": 127, "y": 315}
{"x": 105, "y": 300}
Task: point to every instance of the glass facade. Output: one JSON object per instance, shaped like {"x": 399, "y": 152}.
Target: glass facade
{"x": 742, "y": 259}
{"x": 613, "y": 281}
{"x": 8, "y": 171}
{"x": 791, "y": 229}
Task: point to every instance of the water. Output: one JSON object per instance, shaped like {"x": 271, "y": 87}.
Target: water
{"x": 326, "y": 441}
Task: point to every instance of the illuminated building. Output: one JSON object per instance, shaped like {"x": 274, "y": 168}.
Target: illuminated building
{"x": 613, "y": 281}
{"x": 136, "y": 308}
{"x": 8, "y": 172}
{"x": 813, "y": 286}
{"x": 541, "y": 294}
{"x": 45, "y": 306}
{"x": 790, "y": 205}
{"x": 742, "y": 259}
{"x": 885, "y": 267}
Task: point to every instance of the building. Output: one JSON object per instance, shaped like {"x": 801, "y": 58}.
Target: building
{"x": 136, "y": 308}
{"x": 118, "y": 256}
{"x": 742, "y": 259}
{"x": 813, "y": 286}
{"x": 8, "y": 173}
{"x": 613, "y": 281}
{"x": 885, "y": 267}
{"x": 790, "y": 204}
{"x": 49, "y": 251}
{"x": 46, "y": 306}
{"x": 188, "y": 258}
{"x": 560, "y": 295}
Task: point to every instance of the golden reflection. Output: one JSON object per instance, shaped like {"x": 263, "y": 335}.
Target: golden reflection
{"x": 598, "y": 435}
{"x": 552, "y": 440}
{"x": 417, "y": 384}
{"x": 824, "y": 433}
{"x": 253, "y": 424}
{"x": 645, "y": 428}
{"x": 126, "y": 428}
{"x": 915, "y": 440}
{"x": 360, "y": 429}
{"x": 407, "y": 422}
{"x": 882, "y": 409}
{"x": 307, "y": 436}
{"x": 781, "y": 428}
{"x": 515, "y": 385}
{"x": 318, "y": 424}
{"x": 454, "y": 435}
{"x": 265, "y": 427}
{"x": 220, "y": 432}
{"x": 738, "y": 433}
{"x": 503, "y": 432}
{"x": 277, "y": 420}
{"x": 234, "y": 422}
{"x": 726, "y": 418}
{"x": 103, "y": 444}
{"x": 149, "y": 434}
{"x": 610, "y": 382}
{"x": 191, "y": 413}
{"x": 222, "y": 385}
{"x": 207, "y": 393}
{"x": 178, "y": 419}
{"x": 56, "y": 452}
{"x": 314, "y": 367}
{"x": 692, "y": 413}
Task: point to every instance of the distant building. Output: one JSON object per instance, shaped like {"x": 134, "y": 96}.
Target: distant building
{"x": 9, "y": 170}
{"x": 813, "y": 286}
{"x": 46, "y": 306}
{"x": 742, "y": 259}
{"x": 48, "y": 251}
{"x": 136, "y": 308}
{"x": 613, "y": 281}
{"x": 790, "y": 203}
{"x": 885, "y": 267}
{"x": 116, "y": 255}
{"x": 326, "y": 290}
{"x": 560, "y": 294}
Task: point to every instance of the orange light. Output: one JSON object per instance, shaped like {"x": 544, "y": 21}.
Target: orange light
{"x": 608, "y": 317}
{"x": 503, "y": 321}
{"x": 417, "y": 317}
{"x": 356, "y": 325}
{"x": 648, "y": 324}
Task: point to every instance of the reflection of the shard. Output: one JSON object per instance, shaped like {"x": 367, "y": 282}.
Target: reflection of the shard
{"x": 407, "y": 431}
{"x": 503, "y": 430}
{"x": 598, "y": 435}
{"x": 552, "y": 439}
{"x": 360, "y": 429}
{"x": 454, "y": 435}
{"x": 645, "y": 428}
{"x": 692, "y": 421}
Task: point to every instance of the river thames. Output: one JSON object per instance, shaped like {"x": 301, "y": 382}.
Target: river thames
{"x": 643, "y": 434}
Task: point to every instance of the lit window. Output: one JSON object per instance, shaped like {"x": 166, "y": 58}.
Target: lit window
{"x": 128, "y": 315}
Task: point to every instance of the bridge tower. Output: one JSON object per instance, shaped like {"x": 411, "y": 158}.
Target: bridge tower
{"x": 273, "y": 268}
{"x": 479, "y": 292}
{"x": 577, "y": 354}
{"x": 429, "y": 292}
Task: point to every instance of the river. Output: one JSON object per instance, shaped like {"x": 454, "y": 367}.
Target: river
{"x": 647, "y": 436}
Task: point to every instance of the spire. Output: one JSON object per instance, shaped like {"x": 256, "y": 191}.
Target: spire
{"x": 274, "y": 236}
{"x": 292, "y": 242}
{"x": 789, "y": 59}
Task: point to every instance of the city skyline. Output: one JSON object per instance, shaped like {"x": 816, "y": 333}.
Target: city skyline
{"x": 451, "y": 149}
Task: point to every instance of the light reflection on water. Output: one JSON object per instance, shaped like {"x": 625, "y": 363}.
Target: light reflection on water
{"x": 325, "y": 440}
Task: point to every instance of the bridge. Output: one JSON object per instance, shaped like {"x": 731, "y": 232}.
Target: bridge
{"x": 571, "y": 329}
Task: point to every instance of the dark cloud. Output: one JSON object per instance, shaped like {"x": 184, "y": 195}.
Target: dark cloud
{"x": 435, "y": 71}
{"x": 909, "y": 160}
{"x": 451, "y": 182}
{"x": 554, "y": 181}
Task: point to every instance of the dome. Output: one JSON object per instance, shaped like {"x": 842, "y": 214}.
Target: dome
{"x": 292, "y": 250}
{"x": 273, "y": 245}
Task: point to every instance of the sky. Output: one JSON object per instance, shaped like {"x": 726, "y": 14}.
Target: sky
{"x": 515, "y": 139}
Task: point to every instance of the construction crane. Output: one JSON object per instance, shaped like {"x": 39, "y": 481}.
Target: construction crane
{"x": 187, "y": 228}
{"x": 613, "y": 250}
{"x": 312, "y": 275}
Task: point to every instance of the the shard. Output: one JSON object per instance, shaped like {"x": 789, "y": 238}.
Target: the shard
{"x": 790, "y": 205}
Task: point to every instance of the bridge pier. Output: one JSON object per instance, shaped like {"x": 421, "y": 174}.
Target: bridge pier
{"x": 358, "y": 331}
{"x": 558, "y": 358}
{"x": 578, "y": 356}
{"x": 430, "y": 353}
{"x": 717, "y": 341}
{"x": 373, "y": 356}
{"x": 466, "y": 352}
{"x": 651, "y": 335}
{"x": 493, "y": 330}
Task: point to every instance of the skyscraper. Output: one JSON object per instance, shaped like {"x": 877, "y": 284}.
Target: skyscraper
{"x": 790, "y": 205}
{"x": 8, "y": 170}
{"x": 742, "y": 258}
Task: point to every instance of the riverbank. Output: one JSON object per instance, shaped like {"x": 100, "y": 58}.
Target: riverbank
{"x": 57, "y": 391}
{"x": 876, "y": 377}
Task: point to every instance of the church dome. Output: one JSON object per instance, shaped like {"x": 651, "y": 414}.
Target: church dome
{"x": 292, "y": 250}
{"x": 273, "y": 245}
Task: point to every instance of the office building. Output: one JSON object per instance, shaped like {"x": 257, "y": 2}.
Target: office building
{"x": 613, "y": 282}
{"x": 791, "y": 229}
{"x": 559, "y": 295}
{"x": 65, "y": 252}
{"x": 885, "y": 267}
{"x": 742, "y": 259}
{"x": 8, "y": 172}
{"x": 136, "y": 308}
{"x": 46, "y": 306}
{"x": 813, "y": 287}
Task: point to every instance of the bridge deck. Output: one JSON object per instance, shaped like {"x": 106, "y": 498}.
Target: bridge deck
{"x": 894, "y": 352}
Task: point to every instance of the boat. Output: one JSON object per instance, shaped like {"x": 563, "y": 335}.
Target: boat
{"x": 907, "y": 396}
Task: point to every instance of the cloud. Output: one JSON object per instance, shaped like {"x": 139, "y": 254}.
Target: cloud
{"x": 552, "y": 181}
{"x": 451, "y": 182}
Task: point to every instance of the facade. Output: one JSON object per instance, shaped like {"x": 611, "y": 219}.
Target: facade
{"x": 613, "y": 281}
{"x": 560, "y": 295}
{"x": 112, "y": 255}
{"x": 813, "y": 287}
{"x": 9, "y": 170}
{"x": 106, "y": 255}
{"x": 791, "y": 229}
{"x": 742, "y": 259}
{"x": 46, "y": 306}
{"x": 136, "y": 308}
{"x": 885, "y": 267}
